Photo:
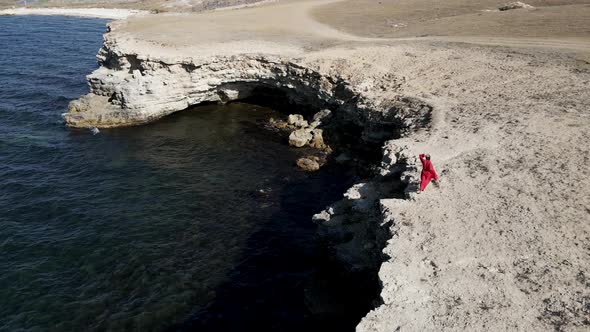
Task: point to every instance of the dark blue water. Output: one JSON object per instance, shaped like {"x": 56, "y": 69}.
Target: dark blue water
{"x": 197, "y": 222}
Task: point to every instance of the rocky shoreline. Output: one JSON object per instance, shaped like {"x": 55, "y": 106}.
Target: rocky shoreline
{"x": 133, "y": 89}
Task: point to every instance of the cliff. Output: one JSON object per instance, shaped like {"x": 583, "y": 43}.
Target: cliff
{"x": 133, "y": 88}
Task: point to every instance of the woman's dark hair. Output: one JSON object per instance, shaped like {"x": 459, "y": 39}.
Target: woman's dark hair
{"x": 427, "y": 157}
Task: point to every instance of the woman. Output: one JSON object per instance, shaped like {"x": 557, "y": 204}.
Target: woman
{"x": 428, "y": 172}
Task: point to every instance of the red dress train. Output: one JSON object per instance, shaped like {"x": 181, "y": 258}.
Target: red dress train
{"x": 428, "y": 172}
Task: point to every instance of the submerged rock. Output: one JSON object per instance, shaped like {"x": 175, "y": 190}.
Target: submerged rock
{"x": 342, "y": 158}
{"x": 308, "y": 164}
{"x": 278, "y": 124}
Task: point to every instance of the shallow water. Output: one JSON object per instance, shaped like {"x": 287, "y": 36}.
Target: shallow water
{"x": 196, "y": 222}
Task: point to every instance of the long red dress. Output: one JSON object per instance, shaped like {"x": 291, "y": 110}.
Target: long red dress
{"x": 428, "y": 172}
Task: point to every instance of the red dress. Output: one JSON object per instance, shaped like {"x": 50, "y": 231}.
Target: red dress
{"x": 428, "y": 172}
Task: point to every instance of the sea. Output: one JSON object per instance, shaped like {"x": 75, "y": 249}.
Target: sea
{"x": 197, "y": 222}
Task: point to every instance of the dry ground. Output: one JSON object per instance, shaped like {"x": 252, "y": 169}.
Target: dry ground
{"x": 414, "y": 18}
{"x": 504, "y": 243}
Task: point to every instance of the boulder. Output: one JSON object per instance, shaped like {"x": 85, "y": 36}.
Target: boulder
{"x": 321, "y": 217}
{"x": 320, "y": 117}
{"x": 308, "y": 164}
{"x": 514, "y": 5}
{"x": 297, "y": 120}
{"x": 318, "y": 140}
{"x": 300, "y": 137}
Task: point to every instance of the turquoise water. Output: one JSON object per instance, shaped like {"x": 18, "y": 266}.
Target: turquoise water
{"x": 197, "y": 222}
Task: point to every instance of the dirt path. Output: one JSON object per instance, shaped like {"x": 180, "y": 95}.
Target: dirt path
{"x": 308, "y": 11}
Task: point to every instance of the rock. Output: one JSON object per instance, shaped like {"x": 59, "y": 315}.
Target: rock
{"x": 515, "y": 5}
{"x": 297, "y": 120}
{"x": 227, "y": 95}
{"x": 342, "y": 158}
{"x": 307, "y": 164}
{"x": 322, "y": 115}
{"x": 278, "y": 124}
{"x": 136, "y": 73}
{"x": 362, "y": 195}
{"x": 318, "y": 140}
{"x": 321, "y": 217}
{"x": 389, "y": 157}
{"x": 300, "y": 137}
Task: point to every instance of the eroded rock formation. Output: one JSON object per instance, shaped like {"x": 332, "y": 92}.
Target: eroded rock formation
{"x": 132, "y": 89}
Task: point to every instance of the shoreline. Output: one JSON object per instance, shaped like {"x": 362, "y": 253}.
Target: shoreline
{"x": 104, "y": 13}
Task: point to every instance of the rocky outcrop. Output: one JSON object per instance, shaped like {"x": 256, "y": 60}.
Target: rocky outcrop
{"x": 357, "y": 227}
{"x": 515, "y": 5}
{"x": 305, "y": 134}
{"x": 131, "y": 89}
